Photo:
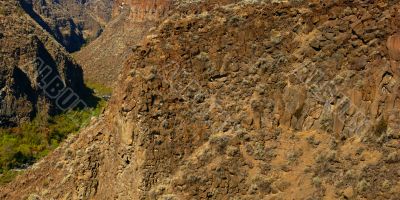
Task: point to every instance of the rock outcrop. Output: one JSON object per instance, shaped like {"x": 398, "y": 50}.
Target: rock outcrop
{"x": 249, "y": 100}
{"x": 143, "y": 10}
{"x": 35, "y": 69}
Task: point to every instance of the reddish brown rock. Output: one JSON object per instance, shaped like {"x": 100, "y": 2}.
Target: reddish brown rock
{"x": 393, "y": 45}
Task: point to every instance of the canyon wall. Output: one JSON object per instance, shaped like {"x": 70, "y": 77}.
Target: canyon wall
{"x": 103, "y": 59}
{"x": 30, "y": 59}
{"x": 247, "y": 100}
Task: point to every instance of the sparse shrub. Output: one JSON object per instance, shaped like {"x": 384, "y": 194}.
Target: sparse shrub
{"x": 327, "y": 124}
{"x": 219, "y": 142}
{"x": 285, "y": 167}
{"x": 349, "y": 175}
{"x": 363, "y": 185}
{"x": 324, "y": 163}
{"x": 393, "y": 157}
{"x": 232, "y": 151}
{"x": 203, "y": 56}
{"x": 333, "y": 144}
{"x": 386, "y": 184}
{"x": 19, "y": 11}
{"x": 326, "y": 121}
{"x": 3, "y": 11}
{"x": 168, "y": 197}
{"x": 206, "y": 156}
{"x": 259, "y": 151}
{"x": 360, "y": 150}
{"x": 33, "y": 197}
{"x": 261, "y": 185}
{"x": 326, "y": 157}
{"x": 192, "y": 179}
{"x": 312, "y": 141}
{"x": 308, "y": 169}
{"x": 381, "y": 127}
{"x": 265, "y": 168}
{"x": 235, "y": 20}
{"x": 292, "y": 156}
{"x": 280, "y": 185}
{"x": 244, "y": 136}
{"x": 317, "y": 181}
{"x": 249, "y": 149}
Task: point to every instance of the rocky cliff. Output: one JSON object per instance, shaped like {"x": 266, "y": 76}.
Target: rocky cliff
{"x": 72, "y": 23}
{"x": 249, "y": 100}
{"x": 132, "y": 21}
{"x": 29, "y": 60}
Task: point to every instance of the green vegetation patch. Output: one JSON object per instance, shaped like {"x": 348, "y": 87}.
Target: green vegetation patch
{"x": 22, "y": 146}
{"x": 8, "y": 176}
{"x": 99, "y": 89}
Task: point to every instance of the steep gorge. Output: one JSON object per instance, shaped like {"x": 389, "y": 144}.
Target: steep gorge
{"x": 103, "y": 59}
{"x": 245, "y": 100}
{"x": 72, "y": 23}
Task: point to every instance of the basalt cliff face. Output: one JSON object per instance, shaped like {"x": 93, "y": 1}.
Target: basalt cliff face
{"x": 132, "y": 21}
{"x": 27, "y": 55}
{"x": 73, "y": 23}
{"x": 245, "y": 100}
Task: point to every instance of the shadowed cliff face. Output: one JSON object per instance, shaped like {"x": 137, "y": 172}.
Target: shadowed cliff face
{"x": 247, "y": 100}
{"x": 72, "y": 23}
{"x": 33, "y": 66}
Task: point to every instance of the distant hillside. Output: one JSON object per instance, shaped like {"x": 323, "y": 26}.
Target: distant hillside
{"x": 73, "y": 23}
{"x": 30, "y": 59}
